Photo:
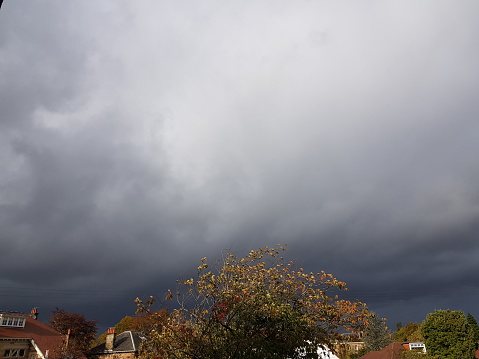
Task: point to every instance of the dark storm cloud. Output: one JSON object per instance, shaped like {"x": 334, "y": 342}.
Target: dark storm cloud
{"x": 136, "y": 139}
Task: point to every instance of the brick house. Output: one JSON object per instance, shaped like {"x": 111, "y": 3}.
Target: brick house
{"x": 23, "y": 336}
{"x": 349, "y": 344}
{"x": 122, "y": 346}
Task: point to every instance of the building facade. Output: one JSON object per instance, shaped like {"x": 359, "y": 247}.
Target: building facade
{"x": 22, "y": 336}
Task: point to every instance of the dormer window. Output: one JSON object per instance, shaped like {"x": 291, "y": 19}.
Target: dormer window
{"x": 11, "y": 321}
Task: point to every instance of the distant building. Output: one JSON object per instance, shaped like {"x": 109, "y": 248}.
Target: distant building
{"x": 22, "y": 336}
{"x": 395, "y": 350}
{"x": 420, "y": 346}
{"x": 122, "y": 346}
{"x": 348, "y": 345}
{"x": 346, "y": 349}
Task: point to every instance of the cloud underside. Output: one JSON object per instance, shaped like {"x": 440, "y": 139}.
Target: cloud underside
{"x": 137, "y": 138}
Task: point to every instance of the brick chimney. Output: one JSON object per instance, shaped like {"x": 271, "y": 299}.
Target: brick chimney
{"x": 34, "y": 313}
{"x": 110, "y": 339}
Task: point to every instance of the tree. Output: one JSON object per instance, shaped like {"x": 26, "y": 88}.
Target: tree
{"x": 417, "y": 354}
{"x": 376, "y": 334}
{"x": 152, "y": 320}
{"x": 473, "y": 328}
{"x": 125, "y": 324}
{"x": 81, "y": 332}
{"x": 258, "y": 306}
{"x": 411, "y": 332}
{"x": 142, "y": 322}
{"x": 447, "y": 335}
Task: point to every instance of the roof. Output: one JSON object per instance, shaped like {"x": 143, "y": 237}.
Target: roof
{"x": 126, "y": 342}
{"x": 43, "y": 336}
{"x": 392, "y": 351}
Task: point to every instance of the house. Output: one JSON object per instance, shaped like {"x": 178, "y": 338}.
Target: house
{"x": 23, "y": 336}
{"x": 349, "y": 344}
{"x": 419, "y": 346}
{"x": 392, "y": 351}
{"x": 395, "y": 350}
{"x": 346, "y": 349}
{"x": 122, "y": 346}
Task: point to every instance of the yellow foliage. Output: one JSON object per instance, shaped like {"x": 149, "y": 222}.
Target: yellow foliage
{"x": 255, "y": 302}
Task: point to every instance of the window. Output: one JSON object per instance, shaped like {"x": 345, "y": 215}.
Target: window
{"x": 12, "y": 322}
{"x": 14, "y": 353}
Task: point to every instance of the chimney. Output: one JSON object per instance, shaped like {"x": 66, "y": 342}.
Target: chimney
{"x": 34, "y": 313}
{"x": 67, "y": 338}
{"x": 110, "y": 339}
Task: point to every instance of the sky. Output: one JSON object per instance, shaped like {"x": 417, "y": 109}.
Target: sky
{"x": 138, "y": 137}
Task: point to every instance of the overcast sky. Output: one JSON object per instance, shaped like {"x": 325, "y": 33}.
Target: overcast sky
{"x": 137, "y": 137}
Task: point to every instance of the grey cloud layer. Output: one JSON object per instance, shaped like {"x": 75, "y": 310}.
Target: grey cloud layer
{"x": 136, "y": 139}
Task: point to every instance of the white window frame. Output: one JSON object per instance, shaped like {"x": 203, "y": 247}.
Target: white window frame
{"x": 15, "y": 322}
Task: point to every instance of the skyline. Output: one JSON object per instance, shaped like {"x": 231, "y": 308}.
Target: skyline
{"x": 137, "y": 138}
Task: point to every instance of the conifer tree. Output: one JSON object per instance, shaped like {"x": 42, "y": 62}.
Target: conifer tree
{"x": 376, "y": 335}
{"x": 474, "y": 329}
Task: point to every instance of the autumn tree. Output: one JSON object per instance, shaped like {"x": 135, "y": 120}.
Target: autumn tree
{"x": 146, "y": 322}
{"x": 81, "y": 332}
{"x": 125, "y": 324}
{"x": 258, "y": 306}
{"x": 447, "y": 335}
{"x": 411, "y": 332}
{"x": 141, "y": 322}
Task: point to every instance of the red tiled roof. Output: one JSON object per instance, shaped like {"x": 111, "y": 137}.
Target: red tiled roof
{"x": 45, "y": 337}
{"x": 392, "y": 351}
